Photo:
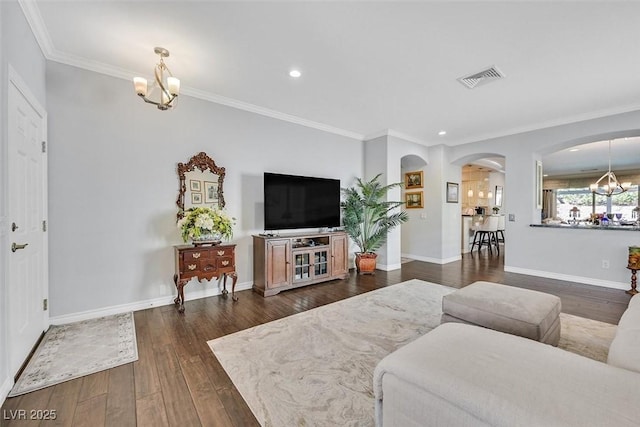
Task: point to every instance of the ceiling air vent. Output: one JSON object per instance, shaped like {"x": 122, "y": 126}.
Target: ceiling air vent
{"x": 482, "y": 77}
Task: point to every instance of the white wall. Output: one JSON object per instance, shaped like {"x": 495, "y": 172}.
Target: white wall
{"x": 433, "y": 234}
{"x": 113, "y": 184}
{"x": 19, "y": 49}
{"x": 574, "y": 255}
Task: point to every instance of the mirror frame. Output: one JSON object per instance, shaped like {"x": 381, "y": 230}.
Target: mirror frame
{"x": 204, "y": 163}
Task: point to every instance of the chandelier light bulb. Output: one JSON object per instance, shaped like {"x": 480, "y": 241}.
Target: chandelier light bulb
{"x": 174, "y": 86}
{"x": 140, "y": 83}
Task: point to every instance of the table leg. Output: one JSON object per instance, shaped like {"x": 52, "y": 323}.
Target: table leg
{"x": 234, "y": 276}
{"x": 179, "y": 300}
{"x": 223, "y": 278}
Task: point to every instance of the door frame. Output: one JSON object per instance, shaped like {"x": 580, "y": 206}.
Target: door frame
{"x": 15, "y": 80}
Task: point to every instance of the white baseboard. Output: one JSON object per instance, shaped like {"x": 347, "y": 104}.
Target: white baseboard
{"x": 139, "y": 305}
{"x": 433, "y": 260}
{"x": 6, "y": 387}
{"x": 568, "y": 278}
{"x": 388, "y": 267}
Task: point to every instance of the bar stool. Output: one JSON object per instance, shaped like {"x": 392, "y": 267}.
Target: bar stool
{"x": 486, "y": 234}
{"x": 501, "y": 226}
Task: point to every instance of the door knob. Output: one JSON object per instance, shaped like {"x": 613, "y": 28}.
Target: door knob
{"x": 15, "y": 246}
{"x": 14, "y": 227}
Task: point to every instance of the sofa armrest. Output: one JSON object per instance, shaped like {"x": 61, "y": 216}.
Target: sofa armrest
{"x": 624, "y": 351}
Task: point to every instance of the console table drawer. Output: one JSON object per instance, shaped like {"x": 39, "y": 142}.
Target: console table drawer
{"x": 226, "y": 263}
{"x": 190, "y": 256}
{"x": 189, "y": 266}
{"x": 222, "y": 252}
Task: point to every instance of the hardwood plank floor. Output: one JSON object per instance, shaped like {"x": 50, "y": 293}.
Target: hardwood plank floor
{"x": 178, "y": 381}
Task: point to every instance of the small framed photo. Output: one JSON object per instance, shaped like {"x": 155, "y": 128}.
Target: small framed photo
{"x": 413, "y": 200}
{"x": 452, "y": 192}
{"x": 413, "y": 179}
{"x": 196, "y": 198}
{"x": 194, "y": 185}
{"x": 210, "y": 192}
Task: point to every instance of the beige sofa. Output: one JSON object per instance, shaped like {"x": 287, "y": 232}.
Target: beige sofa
{"x": 463, "y": 375}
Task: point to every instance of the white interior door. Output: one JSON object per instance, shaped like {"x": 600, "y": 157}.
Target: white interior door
{"x": 27, "y": 190}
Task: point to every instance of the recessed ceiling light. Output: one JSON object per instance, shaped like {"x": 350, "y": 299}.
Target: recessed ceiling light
{"x": 442, "y": 133}
{"x": 574, "y": 149}
{"x": 546, "y": 174}
{"x": 295, "y": 73}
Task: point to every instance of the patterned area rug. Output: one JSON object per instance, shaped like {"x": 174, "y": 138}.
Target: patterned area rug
{"x": 315, "y": 368}
{"x": 77, "y": 349}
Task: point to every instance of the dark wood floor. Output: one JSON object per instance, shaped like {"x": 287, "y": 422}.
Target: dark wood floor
{"x": 177, "y": 380}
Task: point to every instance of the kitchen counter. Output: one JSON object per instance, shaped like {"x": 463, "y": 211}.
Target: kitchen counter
{"x": 589, "y": 227}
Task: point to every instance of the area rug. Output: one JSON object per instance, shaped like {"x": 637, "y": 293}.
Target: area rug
{"x": 315, "y": 368}
{"x": 77, "y": 349}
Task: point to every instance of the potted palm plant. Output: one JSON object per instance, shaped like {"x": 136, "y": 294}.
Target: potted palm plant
{"x": 368, "y": 218}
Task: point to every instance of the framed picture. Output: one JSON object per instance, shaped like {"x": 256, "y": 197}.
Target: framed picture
{"x": 194, "y": 185}
{"x": 498, "y": 201}
{"x": 196, "y": 198}
{"x": 413, "y": 200}
{"x": 452, "y": 192}
{"x": 538, "y": 184}
{"x": 413, "y": 179}
{"x": 210, "y": 192}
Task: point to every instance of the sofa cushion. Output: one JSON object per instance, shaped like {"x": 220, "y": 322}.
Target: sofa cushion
{"x": 505, "y": 380}
{"x": 523, "y": 312}
{"x": 624, "y": 351}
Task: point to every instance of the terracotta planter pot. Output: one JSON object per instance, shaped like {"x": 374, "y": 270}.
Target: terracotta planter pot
{"x": 366, "y": 263}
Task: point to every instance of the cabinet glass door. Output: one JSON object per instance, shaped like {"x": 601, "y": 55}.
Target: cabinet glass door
{"x": 321, "y": 263}
{"x": 302, "y": 266}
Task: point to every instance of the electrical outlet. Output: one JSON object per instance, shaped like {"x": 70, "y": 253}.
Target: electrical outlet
{"x": 512, "y": 217}
{"x": 423, "y": 216}
{"x": 605, "y": 263}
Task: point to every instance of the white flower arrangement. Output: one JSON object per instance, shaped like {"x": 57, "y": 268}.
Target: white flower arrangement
{"x": 205, "y": 221}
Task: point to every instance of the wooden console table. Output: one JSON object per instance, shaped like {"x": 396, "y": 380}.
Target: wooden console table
{"x": 204, "y": 262}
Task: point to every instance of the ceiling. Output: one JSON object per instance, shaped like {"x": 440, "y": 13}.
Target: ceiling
{"x": 368, "y": 68}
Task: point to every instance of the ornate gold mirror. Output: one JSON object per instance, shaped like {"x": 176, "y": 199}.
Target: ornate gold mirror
{"x": 200, "y": 183}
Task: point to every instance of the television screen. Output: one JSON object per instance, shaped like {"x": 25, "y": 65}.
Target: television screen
{"x": 300, "y": 202}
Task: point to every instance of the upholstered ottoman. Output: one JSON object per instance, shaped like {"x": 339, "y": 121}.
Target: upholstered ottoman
{"x": 517, "y": 311}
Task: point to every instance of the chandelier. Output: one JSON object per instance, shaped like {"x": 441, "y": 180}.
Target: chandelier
{"x": 165, "y": 88}
{"x": 608, "y": 184}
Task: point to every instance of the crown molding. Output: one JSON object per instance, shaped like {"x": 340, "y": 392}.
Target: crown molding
{"x": 395, "y": 134}
{"x": 34, "y": 19}
{"x": 406, "y": 137}
{"x": 241, "y": 105}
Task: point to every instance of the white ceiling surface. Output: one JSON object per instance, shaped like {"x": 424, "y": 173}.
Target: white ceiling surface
{"x": 368, "y": 67}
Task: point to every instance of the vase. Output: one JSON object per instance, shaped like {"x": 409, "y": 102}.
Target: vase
{"x": 207, "y": 239}
{"x": 366, "y": 263}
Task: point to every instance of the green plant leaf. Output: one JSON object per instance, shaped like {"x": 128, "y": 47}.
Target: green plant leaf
{"x": 367, "y": 216}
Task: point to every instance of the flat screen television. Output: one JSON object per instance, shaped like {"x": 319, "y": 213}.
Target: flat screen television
{"x": 292, "y": 201}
